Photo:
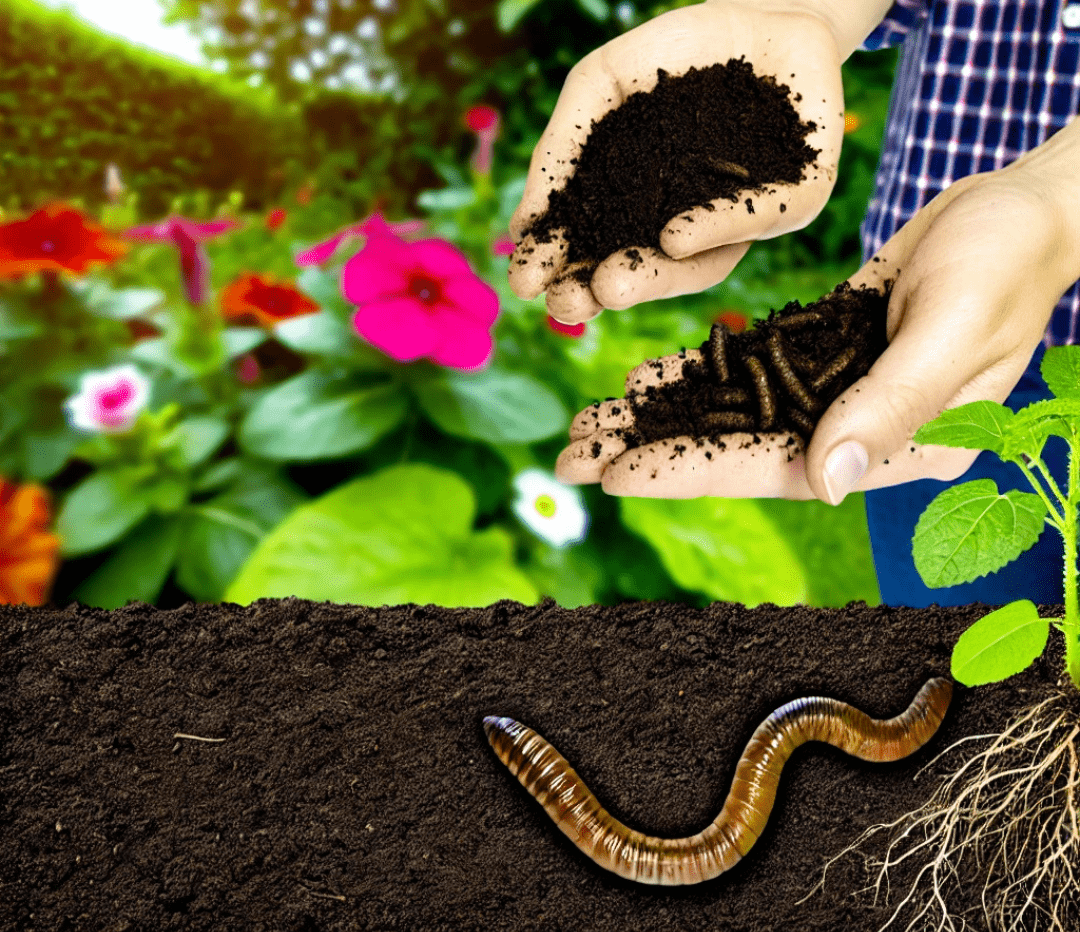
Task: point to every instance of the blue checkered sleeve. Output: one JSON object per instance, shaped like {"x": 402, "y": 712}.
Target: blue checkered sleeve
{"x": 977, "y": 85}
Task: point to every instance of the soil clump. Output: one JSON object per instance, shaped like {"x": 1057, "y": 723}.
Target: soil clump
{"x": 780, "y": 376}
{"x": 310, "y": 767}
{"x": 715, "y": 132}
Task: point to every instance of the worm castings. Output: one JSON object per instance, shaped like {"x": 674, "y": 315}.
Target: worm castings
{"x": 715, "y": 132}
{"x": 778, "y": 377}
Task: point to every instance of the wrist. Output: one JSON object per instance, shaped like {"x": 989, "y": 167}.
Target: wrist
{"x": 850, "y": 21}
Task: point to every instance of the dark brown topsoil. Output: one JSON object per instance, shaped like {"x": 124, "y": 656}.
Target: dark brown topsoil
{"x": 715, "y": 132}
{"x": 335, "y": 773}
{"x": 779, "y": 376}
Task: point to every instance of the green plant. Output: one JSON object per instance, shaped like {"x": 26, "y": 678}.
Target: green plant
{"x": 970, "y": 529}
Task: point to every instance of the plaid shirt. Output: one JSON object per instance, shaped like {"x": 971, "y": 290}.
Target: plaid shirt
{"x": 977, "y": 85}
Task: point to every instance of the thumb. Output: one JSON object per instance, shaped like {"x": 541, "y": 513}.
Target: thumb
{"x": 864, "y": 439}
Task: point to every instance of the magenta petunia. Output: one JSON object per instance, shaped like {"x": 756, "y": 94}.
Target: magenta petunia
{"x": 371, "y": 226}
{"x": 187, "y": 236}
{"x": 421, "y": 300}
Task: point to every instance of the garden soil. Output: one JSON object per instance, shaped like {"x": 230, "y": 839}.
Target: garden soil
{"x": 303, "y": 766}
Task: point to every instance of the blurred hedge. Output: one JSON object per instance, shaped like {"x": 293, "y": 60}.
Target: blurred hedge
{"x": 73, "y": 99}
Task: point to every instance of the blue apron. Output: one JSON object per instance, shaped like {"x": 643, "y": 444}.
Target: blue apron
{"x": 892, "y": 513}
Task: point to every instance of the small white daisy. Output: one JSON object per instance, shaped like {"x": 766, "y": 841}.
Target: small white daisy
{"x": 108, "y": 401}
{"x": 552, "y": 511}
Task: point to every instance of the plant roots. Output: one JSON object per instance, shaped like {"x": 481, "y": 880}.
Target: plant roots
{"x": 1009, "y": 818}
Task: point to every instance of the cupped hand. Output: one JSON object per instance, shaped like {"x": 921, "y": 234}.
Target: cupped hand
{"x": 698, "y": 248}
{"x": 977, "y": 274}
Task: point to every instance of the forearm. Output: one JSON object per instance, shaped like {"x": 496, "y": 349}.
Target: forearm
{"x": 850, "y": 21}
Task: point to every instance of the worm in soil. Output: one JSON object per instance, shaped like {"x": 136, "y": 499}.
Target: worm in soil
{"x": 798, "y": 319}
{"x": 730, "y": 396}
{"x": 787, "y": 375}
{"x": 550, "y": 779}
{"x": 765, "y": 392}
{"x": 802, "y": 423}
{"x": 724, "y": 421}
{"x": 838, "y": 364}
{"x": 718, "y": 351}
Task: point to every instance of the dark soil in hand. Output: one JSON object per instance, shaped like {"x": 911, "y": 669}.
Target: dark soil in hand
{"x": 779, "y": 377}
{"x": 308, "y": 767}
{"x": 715, "y": 132}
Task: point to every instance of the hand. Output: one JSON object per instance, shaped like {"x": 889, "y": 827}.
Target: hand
{"x": 977, "y": 274}
{"x": 794, "y": 41}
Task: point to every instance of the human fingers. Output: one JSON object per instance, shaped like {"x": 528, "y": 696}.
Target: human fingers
{"x": 965, "y": 315}
{"x": 634, "y": 276}
{"x": 602, "y": 415}
{"x": 655, "y": 372}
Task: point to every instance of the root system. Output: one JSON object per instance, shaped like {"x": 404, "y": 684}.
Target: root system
{"x": 1008, "y": 819}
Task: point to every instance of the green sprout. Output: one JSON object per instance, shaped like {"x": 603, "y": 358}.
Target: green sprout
{"x": 971, "y": 529}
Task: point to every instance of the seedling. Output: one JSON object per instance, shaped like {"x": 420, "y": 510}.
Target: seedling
{"x": 1012, "y": 809}
{"x": 970, "y": 530}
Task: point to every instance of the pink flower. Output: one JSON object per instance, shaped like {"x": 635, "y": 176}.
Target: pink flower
{"x": 187, "y": 235}
{"x": 421, "y": 299}
{"x": 108, "y": 401}
{"x": 484, "y": 121}
{"x": 247, "y": 369}
{"x": 567, "y": 330}
{"x": 375, "y": 224}
{"x": 503, "y": 246}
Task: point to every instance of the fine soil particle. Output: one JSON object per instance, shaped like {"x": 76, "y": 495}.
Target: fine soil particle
{"x": 304, "y": 766}
{"x": 780, "y": 376}
{"x": 712, "y": 133}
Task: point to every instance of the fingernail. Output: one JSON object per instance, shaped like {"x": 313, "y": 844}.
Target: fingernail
{"x": 845, "y": 466}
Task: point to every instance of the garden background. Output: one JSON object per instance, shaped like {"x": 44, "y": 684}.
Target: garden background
{"x": 198, "y": 399}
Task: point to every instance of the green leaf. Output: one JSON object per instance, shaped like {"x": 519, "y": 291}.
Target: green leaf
{"x": 122, "y": 304}
{"x": 137, "y": 569}
{"x": 17, "y": 322}
{"x": 240, "y": 340}
{"x": 400, "y": 535}
{"x": 446, "y": 198}
{"x": 980, "y": 425}
{"x": 219, "y": 474}
{"x": 317, "y": 416}
{"x": 98, "y": 511}
{"x": 1000, "y": 645}
{"x": 970, "y": 530}
{"x": 323, "y": 333}
{"x": 597, "y": 9}
{"x": 198, "y": 437}
{"x": 1061, "y": 371}
{"x": 220, "y": 535}
{"x": 726, "y": 548}
{"x": 493, "y": 406}
{"x": 510, "y": 12}
{"x": 1034, "y": 424}
{"x": 324, "y": 288}
{"x": 46, "y": 452}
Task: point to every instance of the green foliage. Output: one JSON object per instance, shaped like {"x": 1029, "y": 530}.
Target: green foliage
{"x": 727, "y": 549}
{"x": 970, "y": 530}
{"x": 72, "y": 100}
{"x": 403, "y": 534}
{"x": 1000, "y": 645}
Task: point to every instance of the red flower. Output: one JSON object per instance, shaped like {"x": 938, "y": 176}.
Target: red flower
{"x": 567, "y": 330}
{"x": 28, "y": 551}
{"x": 275, "y": 218}
{"x": 481, "y": 117}
{"x": 261, "y": 300}
{"x": 503, "y": 246}
{"x": 733, "y": 320}
{"x": 55, "y": 238}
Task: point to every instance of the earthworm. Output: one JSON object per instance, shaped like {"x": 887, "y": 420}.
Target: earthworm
{"x": 838, "y": 364}
{"x": 787, "y": 375}
{"x": 550, "y": 779}
{"x": 718, "y": 351}
{"x": 729, "y": 395}
{"x": 724, "y": 421}
{"x": 765, "y": 392}
{"x": 799, "y": 319}
{"x": 801, "y": 421}
{"x": 728, "y": 168}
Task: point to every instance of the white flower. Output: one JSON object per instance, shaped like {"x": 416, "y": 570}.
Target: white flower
{"x": 108, "y": 401}
{"x": 551, "y": 510}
